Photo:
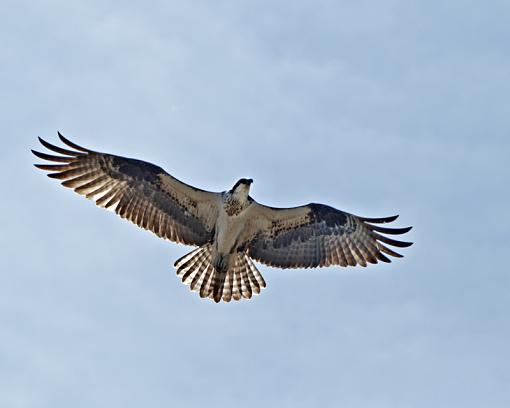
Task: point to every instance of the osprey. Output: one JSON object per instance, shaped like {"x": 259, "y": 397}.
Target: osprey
{"x": 229, "y": 229}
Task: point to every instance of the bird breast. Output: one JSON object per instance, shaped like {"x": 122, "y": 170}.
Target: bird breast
{"x": 228, "y": 229}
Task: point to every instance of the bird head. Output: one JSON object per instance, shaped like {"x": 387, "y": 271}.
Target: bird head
{"x": 242, "y": 187}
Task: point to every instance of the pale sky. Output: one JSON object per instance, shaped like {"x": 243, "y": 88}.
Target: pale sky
{"x": 373, "y": 107}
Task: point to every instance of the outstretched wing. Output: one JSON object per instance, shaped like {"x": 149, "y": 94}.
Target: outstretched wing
{"x": 318, "y": 235}
{"x": 136, "y": 190}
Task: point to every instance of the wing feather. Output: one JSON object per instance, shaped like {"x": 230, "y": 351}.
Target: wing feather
{"x": 73, "y": 145}
{"x": 57, "y": 149}
{"x": 318, "y": 235}
{"x": 136, "y": 190}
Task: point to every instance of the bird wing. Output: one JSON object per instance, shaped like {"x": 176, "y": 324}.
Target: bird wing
{"x": 318, "y": 235}
{"x": 136, "y": 190}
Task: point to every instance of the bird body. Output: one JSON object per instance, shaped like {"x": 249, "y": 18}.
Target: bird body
{"x": 232, "y": 216}
{"x": 229, "y": 228}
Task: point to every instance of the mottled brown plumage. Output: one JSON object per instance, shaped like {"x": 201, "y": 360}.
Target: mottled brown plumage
{"x": 229, "y": 228}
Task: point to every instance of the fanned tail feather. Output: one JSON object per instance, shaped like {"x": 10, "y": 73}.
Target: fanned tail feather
{"x": 241, "y": 280}
{"x": 218, "y": 284}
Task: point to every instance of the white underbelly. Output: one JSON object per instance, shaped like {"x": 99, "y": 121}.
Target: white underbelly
{"x": 228, "y": 231}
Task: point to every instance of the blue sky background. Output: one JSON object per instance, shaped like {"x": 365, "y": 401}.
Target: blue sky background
{"x": 374, "y": 107}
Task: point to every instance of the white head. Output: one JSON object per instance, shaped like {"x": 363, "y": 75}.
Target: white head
{"x": 241, "y": 189}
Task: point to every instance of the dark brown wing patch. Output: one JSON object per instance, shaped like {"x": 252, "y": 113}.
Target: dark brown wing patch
{"x": 134, "y": 189}
{"x": 326, "y": 236}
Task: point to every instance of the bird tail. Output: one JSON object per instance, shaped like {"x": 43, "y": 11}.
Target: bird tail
{"x": 240, "y": 280}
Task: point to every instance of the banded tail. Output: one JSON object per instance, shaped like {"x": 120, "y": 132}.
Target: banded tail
{"x": 241, "y": 280}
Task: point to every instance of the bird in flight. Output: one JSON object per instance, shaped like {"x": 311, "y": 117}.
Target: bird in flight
{"x": 230, "y": 229}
